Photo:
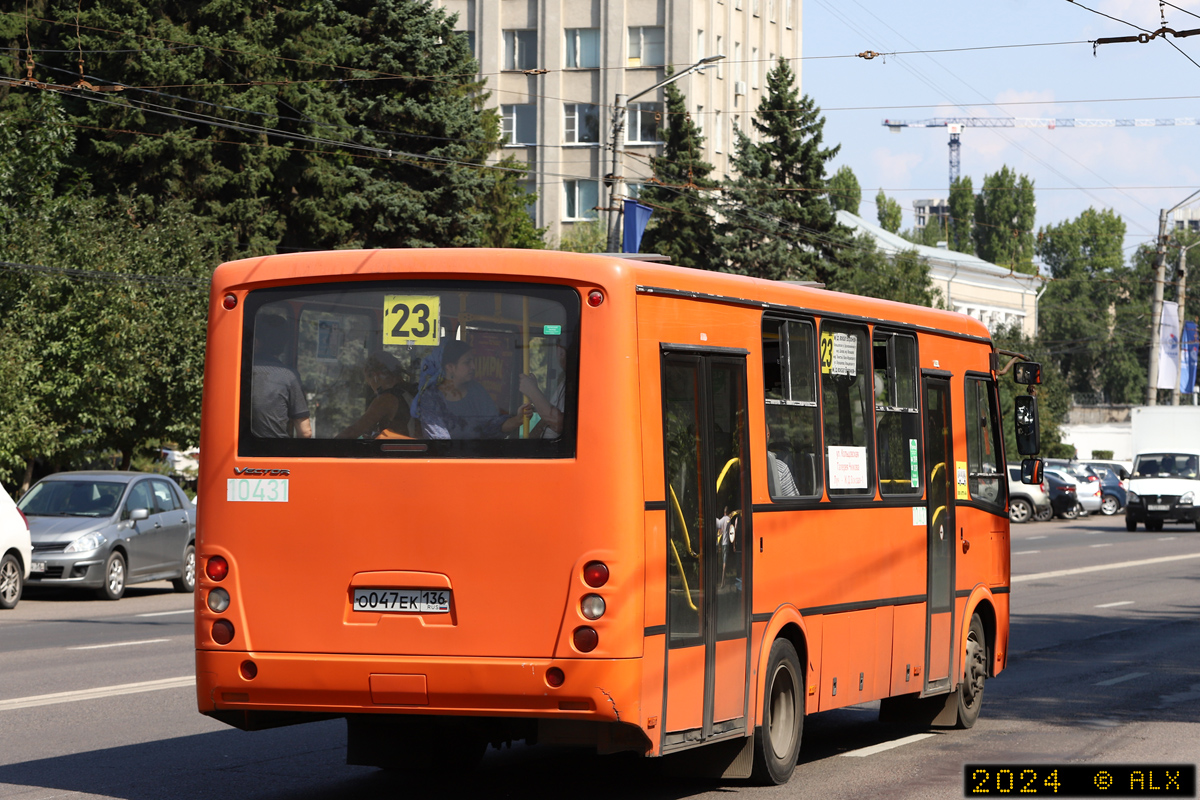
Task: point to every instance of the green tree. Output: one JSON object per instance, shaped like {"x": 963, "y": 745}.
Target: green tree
{"x": 1004, "y": 215}
{"x": 962, "y": 216}
{"x": 779, "y": 223}
{"x": 844, "y": 192}
{"x": 585, "y": 237}
{"x": 295, "y": 125}
{"x": 1094, "y": 315}
{"x": 681, "y": 195}
{"x": 504, "y": 207}
{"x": 871, "y": 273}
{"x": 889, "y": 213}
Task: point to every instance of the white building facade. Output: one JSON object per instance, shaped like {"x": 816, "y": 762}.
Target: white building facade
{"x": 555, "y": 67}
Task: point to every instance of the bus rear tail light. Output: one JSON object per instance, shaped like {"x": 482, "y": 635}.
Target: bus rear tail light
{"x": 595, "y": 297}
{"x": 585, "y": 639}
{"x": 222, "y": 631}
{"x": 218, "y": 600}
{"x": 592, "y": 606}
{"x": 216, "y": 568}
{"x": 249, "y": 670}
{"x": 229, "y": 302}
{"x": 555, "y": 677}
{"x": 595, "y": 574}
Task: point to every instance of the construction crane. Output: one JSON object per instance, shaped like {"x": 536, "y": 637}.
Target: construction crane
{"x": 956, "y": 124}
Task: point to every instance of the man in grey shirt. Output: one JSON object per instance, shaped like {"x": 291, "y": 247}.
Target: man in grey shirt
{"x": 277, "y": 402}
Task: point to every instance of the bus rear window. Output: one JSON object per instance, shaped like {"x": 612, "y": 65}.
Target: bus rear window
{"x": 386, "y": 369}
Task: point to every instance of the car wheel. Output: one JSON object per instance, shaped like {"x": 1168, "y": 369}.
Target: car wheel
{"x": 114, "y": 578}
{"x": 777, "y": 742}
{"x": 1019, "y": 510}
{"x": 11, "y": 581}
{"x": 186, "y": 583}
{"x": 1070, "y": 513}
{"x": 1045, "y": 515}
{"x": 1130, "y": 523}
{"x": 970, "y": 691}
{"x": 1109, "y": 505}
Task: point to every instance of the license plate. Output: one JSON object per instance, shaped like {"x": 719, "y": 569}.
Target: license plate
{"x": 404, "y": 601}
{"x": 37, "y": 566}
{"x": 1158, "y": 508}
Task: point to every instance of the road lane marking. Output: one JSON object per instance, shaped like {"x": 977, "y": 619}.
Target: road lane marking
{"x": 1026, "y": 552}
{"x": 118, "y": 644}
{"x": 1122, "y": 679}
{"x": 97, "y": 693}
{"x": 879, "y": 748}
{"x": 167, "y": 613}
{"x": 1166, "y": 538}
{"x": 1061, "y": 573}
{"x": 1114, "y": 605}
{"x": 1107, "y": 544}
{"x": 1031, "y": 538}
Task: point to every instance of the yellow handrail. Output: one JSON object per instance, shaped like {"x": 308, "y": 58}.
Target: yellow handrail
{"x": 721, "y": 477}
{"x": 933, "y": 475}
{"x": 679, "y": 512}
{"x": 686, "y": 591}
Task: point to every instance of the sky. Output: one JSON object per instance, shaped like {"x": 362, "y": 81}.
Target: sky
{"x": 1135, "y": 171}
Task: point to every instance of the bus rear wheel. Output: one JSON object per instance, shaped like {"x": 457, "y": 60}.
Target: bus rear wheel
{"x": 970, "y": 691}
{"x": 777, "y": 741}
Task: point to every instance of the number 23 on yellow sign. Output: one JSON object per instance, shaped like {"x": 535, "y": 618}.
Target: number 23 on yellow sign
{"x": 411, "y": 319}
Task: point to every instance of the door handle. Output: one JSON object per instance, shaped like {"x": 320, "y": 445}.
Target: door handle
{"x": 184, "y": 520}
{"x": 157, "y": 524}
{"x": 966, "y": 544}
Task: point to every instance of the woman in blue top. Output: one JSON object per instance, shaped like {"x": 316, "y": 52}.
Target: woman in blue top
{"x": 460, "y": 408}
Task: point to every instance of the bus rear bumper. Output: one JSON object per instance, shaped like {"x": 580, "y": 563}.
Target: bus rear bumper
{"x": 286, "y": 684}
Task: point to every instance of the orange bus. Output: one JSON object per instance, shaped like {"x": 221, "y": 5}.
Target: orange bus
{"x": 462, "y": 497}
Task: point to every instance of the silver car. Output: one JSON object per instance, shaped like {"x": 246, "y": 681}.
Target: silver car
{"x": 106, "y": 530}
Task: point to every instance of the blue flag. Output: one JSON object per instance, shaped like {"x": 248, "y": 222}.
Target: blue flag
{"x": 1189, "y": 354}
{"x": 636, "y": 217}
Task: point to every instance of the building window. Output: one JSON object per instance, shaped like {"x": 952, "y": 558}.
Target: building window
{"x": 520, "y": 50}
{"x": 518, "y": 124}
{"x": 700, "y": 44}
{"x": 646, "y": 47}
{"x": 737, "y": 4}
{"x": 793, "y": 423}
{"x": 720, "y": 64}
{"x": 581, "y": 199}
{"x": 470, "y": 38}
{"x": 700, "y": 123}
{"x": 754, "y": 7}
{"x": 754, "y": 67}
{"x": 582, "y": 124}
{"x": 583, "y": 48}
{"x": 634, "y": 190}
{"x": 718, "y": 136}
{"x": 787, "y": 13}
{"x": 771, "y": 10}
{"x": 644, "y": 122}
{"x": 737, "y": 62}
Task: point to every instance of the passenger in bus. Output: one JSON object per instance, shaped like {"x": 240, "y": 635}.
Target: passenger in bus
{"x": 278, "y": 408}
{"x": 549, "y": 409}
{"x": 779, "y": 476}
{"x": 458, "y": 407}
{"x": 387, "y": 416}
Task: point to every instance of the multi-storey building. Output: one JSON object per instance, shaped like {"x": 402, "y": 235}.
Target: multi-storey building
{"x": 555, "y": 67}
{"x": 926, "y": 211}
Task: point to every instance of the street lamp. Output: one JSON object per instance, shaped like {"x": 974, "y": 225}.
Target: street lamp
{"x": 618, "y": 145}
{"x": 1182, "y": 312}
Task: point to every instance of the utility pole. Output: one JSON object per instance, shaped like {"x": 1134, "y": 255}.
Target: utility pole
{"x": 614, "y": 179}
{"x": 1160, "y": 269}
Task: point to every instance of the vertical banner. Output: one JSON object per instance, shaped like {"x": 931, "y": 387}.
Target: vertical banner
{"x": 1189, "y": 356}
{"x": 636, "y": 217}
{"x": 1168, "y": 346}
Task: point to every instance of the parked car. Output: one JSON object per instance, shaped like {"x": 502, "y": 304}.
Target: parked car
{"x": 14, "y": 552}
{"x": 1115, "y": 467}
{"x": 1063, "y": 494}
{"x": 106, "y": 530}
{"x": 1112, "y": 490}
{"x": 1027, "y": 501}
{"x": 1089, "y": 490}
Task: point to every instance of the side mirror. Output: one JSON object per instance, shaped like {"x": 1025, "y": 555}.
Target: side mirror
{"x": 1031, "y": 471}
{"x": 139, "y": 513}
{"x": 1027, "y": 373}
{"x": 1027, "y": 429}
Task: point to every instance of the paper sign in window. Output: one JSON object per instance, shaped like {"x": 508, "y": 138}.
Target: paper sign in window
{"x": 848, "y": 468}
{"x": 411, "y": 319}
{"x": 962, "y": 491}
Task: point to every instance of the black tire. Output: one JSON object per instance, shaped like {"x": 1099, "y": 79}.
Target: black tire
{"x": 1109, "y": 505}
{"x": 1130, "y": 523}
{"x": 1019, "y": 510}
{"x": 1070, "y": 513}
{"x": 777, "y": 742}
{"x": 12, "y": 581}
{"x": 114, "y": 578}
{"x": 1045, "y": 515}
{"x": 1154, "y": 525}
{"x": 1198, "y": 524}
{"x": 970, "y": 691}
{"x": 186, "y": 583}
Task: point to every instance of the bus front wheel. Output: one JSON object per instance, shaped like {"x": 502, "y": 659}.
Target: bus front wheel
{"x": 970, "y": 691}
{"x": 777, "y": 741}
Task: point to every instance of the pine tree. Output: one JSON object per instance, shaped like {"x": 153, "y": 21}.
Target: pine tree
{"x": 779, "y": 223}
{"x": 681, "y": 195}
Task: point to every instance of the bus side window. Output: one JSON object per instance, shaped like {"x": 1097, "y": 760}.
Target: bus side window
{"x": 846, "y": 385}
{"x": 984, "y": 478}
{"x": 897, "y": 414}
{"x": 793, "y": 435}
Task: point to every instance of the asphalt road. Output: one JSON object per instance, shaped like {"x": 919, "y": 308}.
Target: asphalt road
{"x": 96, "y": 700}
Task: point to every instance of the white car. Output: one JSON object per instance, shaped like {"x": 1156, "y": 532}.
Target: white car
{"x": 1087, "y": 492}
{"x": 15, "y": 552}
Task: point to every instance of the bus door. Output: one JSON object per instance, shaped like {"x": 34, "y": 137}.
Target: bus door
{"x": 706, "y": 452}
{"x": 940, "y": 533}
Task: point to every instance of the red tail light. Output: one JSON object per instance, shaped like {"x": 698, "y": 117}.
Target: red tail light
{"x": 249, "y": 670}
{"x": 586, "y": 639}
{"x": 555, "y": 677}
{"x": 222, "y": 631}
{"x": 595, "y": 574}
{"x": 216, "y": 568}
